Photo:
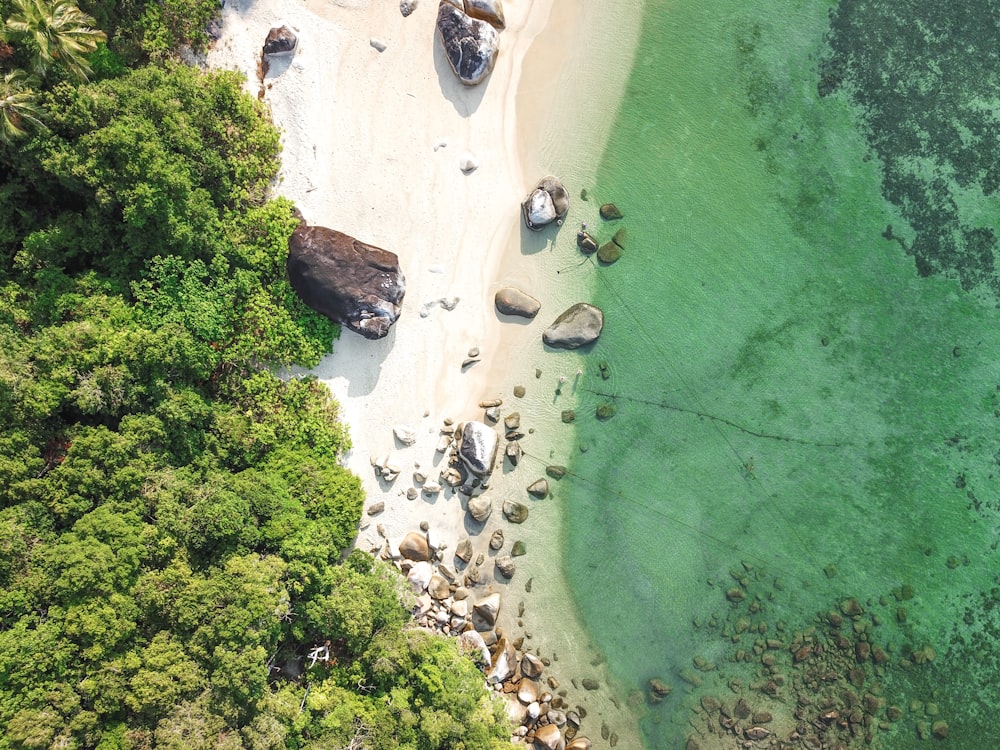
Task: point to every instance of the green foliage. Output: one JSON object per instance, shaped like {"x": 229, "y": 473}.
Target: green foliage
{"x": 58, "y": 35}
{"x": 173, "y": 515}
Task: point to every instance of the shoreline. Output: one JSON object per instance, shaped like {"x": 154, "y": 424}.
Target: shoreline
{"x": 372, "y": 142}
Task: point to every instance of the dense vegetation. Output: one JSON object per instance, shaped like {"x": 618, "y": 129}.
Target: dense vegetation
{"x": 173, "y": 516}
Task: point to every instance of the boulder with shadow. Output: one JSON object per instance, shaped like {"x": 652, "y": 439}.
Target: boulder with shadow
{"x": 349, "y": 281}
{"x": 470, "y": 44}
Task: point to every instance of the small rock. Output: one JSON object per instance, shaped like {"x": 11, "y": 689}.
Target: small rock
{"x": 377, "y": 44}
{"x": 513, "y": 452}
{"x": 464, "y": 550}
{"x": 375, "y": 508}
{"x": 589, "y": 683}
{"x": 405, "y": 434}
{"x": 406, "y": 7}
{"x": 496, "y": 540}
{"x": 511, "y": 301}
{"x": 605, "y": 411}
{"x": 468, "y": 163}
{"x": 515, "y": 512}
{"x": 505, "y": 566}
{"x": 568, "y": 416}
{"x": 555, "y": 471}
{"x": 519, "y": 391}
{"x": 480, "y": 508}
{"x": 539, "y": 489}
{"x": 610, "y": 212}
{"x": 518, "y": 549}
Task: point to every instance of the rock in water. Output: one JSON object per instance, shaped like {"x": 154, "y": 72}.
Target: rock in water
{"x": 609, "y": 252}
{"x": 586, "y": 242}
{"x": 505, "y": 566}
{"x": 350, "y": 282}
{"x": 490, "y": 11}
{"x": 515, "y": 512}
{"x": 610, "y": 212}
{"x": 281, "y": 40}
{"x": 539, "y": 489}
{"x": 478, "y": 447}
{"x": 579, "y": 325}
{"x": 511, "y": 301}
{"x": 548, "y": 202}
{"x": 470, "y": 45}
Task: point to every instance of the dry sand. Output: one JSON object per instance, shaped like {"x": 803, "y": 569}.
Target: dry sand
{"x": 372, "y": 147}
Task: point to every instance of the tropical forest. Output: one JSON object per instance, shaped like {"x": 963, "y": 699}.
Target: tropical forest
{"x": 175, "y": 522}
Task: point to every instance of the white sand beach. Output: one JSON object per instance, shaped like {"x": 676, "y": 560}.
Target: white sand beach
{"x": 373, "y": 142}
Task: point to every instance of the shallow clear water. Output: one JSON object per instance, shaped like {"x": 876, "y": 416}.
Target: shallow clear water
{"x": 804, "y": 400}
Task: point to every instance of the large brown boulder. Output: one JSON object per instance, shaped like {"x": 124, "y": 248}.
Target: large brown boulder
{"x": 350, "y": 282}
{"x": 470, "y": 45}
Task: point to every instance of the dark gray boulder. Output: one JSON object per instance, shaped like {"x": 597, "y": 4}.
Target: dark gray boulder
{"x": 548, "y": 202}
{"x": 478, "y": 447}
{"x": 511, "y": 301}
{"x": 579, "y": 325}
{"x": 470, "y": 45}
{"x": 351, "y": 282}
{"x": 281, "y": 40}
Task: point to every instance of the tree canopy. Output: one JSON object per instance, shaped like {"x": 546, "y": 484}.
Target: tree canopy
{"x": 174, "y": 515}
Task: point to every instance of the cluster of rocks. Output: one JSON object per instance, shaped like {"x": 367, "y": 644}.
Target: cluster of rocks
{"x": 819, "y": 687}
{"x": 609, "y": 251}
{"x": 445, "y": 604}
{"x": 454, "y": 593}
{"x": 470, "y": 34}
{"x": 351, "y": 282}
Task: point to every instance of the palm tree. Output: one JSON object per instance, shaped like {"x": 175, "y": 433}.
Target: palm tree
{"x": 59, "y": 32}
{"x": 18, "y": 110}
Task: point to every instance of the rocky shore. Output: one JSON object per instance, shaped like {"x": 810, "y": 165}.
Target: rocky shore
{"x": 388, "y": 144}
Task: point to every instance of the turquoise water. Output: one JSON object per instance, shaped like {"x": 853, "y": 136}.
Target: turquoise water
{"x": 807, "y": 401}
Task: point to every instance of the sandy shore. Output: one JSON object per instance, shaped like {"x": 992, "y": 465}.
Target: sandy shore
{"x": 372, "y": 146}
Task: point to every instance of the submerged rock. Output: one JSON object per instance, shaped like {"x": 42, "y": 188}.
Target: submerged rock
{"x": 610, "y": 212}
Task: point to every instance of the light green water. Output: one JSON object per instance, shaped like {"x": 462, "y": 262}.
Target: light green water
{"x": 793, "y": 398}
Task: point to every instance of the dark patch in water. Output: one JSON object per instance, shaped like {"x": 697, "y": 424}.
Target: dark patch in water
{"x": 926, "y": 78}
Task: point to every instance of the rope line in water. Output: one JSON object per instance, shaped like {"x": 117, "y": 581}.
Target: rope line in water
{"x": 745, "y": 464}
{"x": 714, "y": 418}
{"x": 632, "y": 500}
